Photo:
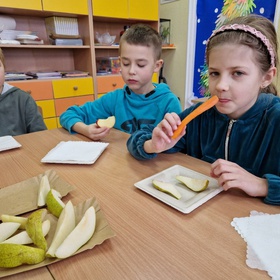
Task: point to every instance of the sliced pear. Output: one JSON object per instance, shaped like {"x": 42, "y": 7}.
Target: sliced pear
{"x": 44, "y": 188}
{"x": 196, "y": 185}
{"x": 167, "y": 188}
{"x": 16, "y": 219}
{"x": 109, "y": 122}
{"x": 65, "y": 224}
{"x": 54, "y": 203}
{"x": 13, "y": 255}
{"x": 35, "y": 230}
{"x": 23, "y": 237}
{"x": 7, "y": 230}
{"x": 79, "y": 235}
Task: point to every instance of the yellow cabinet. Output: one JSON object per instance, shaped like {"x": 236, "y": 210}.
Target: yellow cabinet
{"x": 66, "y": 6}
{"x": 144, "y": 9}
{"x": 19, "y": 4}
{"x": 72, "y": 87}
{"x": 110, "y": 8}
{"x": 48, "y": 108}
{"x": 132, "y": 9}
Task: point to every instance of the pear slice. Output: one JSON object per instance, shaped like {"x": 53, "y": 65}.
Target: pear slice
{"x": 109, "y": 122}
{"x": 35, "y": 230}
{"x": 79, "y": 235}
{"x": 23, "y": 237}
{"x": 13, "y": 255}
{"x": 167, "y": 188}
{"x": 7, "y": 230}
{"x": 16, "y": 219}
{"x": 196, "y": 185}
{"x": 44, "y": 188}
{"x": 65, "y": 224}
{"x": 54, "y": 203}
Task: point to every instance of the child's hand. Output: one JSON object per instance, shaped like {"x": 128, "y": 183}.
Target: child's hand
{"x": 231, "y": 175}
{"x": 95, "y": 132}
{"x": 92, "y": 131}
{"x": 162, "y": 133}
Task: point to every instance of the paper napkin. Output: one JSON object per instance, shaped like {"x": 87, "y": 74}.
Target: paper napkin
{"x": 75, "y": 152}
{"x": 8, "y": 142}
{"x": 261, "y": 232}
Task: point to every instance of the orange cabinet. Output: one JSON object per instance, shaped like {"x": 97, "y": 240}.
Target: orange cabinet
{"x": 109, "y": 83}
{"x": 61, "y": 105}
{"x": 39, "y": 90}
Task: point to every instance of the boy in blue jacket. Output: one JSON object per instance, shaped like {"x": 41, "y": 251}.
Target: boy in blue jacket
{"x": 140, "y": 102}
{"x": 240, "y": 135}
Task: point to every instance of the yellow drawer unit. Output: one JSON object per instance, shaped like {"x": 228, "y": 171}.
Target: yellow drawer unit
{"x": 51, "y": 123}
{"x": 48, "y": 108}
{"x": 72, "y": 87}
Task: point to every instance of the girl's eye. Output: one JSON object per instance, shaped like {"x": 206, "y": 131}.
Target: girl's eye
{"x": 125, "y": 64}
{"x": 141, "y": 66}
{"x": 213, "y": 74}
{"x": 238, "y": 73}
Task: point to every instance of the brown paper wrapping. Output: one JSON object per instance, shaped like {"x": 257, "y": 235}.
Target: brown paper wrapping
{"x": 102, "y": 232}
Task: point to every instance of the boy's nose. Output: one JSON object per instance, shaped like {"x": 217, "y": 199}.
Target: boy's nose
{"x": 132, "y": 70}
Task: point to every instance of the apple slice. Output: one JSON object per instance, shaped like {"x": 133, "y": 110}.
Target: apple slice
{"x": 109, "y": 122}
{"x": 23, "y": 237}
{"x": 8, "y": 229}
{"x": 167, "y": 188}
{"x": 79, "y": 235}
{"x": 196, "y": 185}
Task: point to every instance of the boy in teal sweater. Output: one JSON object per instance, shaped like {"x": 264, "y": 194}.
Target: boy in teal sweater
{"x": 140, "y": 102}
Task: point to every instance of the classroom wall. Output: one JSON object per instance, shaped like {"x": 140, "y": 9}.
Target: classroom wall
{"x": 175, "y": 60}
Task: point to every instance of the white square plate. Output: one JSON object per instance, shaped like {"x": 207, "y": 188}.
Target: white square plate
{"x": 75, "y": 152}
{"x": 8, "y": 142}
{"x": 190, "y": 200}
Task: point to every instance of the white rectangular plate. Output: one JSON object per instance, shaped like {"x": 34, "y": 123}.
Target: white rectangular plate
{"x": 190, "y": 200}
{"x": 8, "y": 142}
{"x": 75, "y": 152}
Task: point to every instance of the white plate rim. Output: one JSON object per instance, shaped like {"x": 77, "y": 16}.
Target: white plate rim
{"x": 184, "y": 207}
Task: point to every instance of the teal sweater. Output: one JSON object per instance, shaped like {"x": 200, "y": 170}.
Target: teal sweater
{"x": 18, "y": 113}
{"x": 132, "y": 111}
{"x": 253, "y": 143}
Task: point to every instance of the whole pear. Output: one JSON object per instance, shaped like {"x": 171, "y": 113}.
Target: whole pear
{"x": 13, "y": 255}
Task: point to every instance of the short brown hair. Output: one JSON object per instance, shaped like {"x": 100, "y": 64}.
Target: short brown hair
{"x": 143, "y": 35}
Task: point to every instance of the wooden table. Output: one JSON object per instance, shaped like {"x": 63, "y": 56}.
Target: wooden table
{"x": 153, "y": 240}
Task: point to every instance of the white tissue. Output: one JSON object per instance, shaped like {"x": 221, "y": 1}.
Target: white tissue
{"x": 7, "y": 23}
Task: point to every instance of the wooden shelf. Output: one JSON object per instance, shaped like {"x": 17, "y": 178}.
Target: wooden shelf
{"x": 44, "y": 47}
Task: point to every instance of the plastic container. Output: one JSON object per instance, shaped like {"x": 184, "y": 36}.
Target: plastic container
{"x": 108, "y": 65}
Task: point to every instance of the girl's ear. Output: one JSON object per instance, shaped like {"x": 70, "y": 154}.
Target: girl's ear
{"x": 158, "y": 65}
{"x": 268, "y": 77}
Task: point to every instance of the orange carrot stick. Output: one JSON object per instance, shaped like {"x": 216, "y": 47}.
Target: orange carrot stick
{"x": 199, "y": 110}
